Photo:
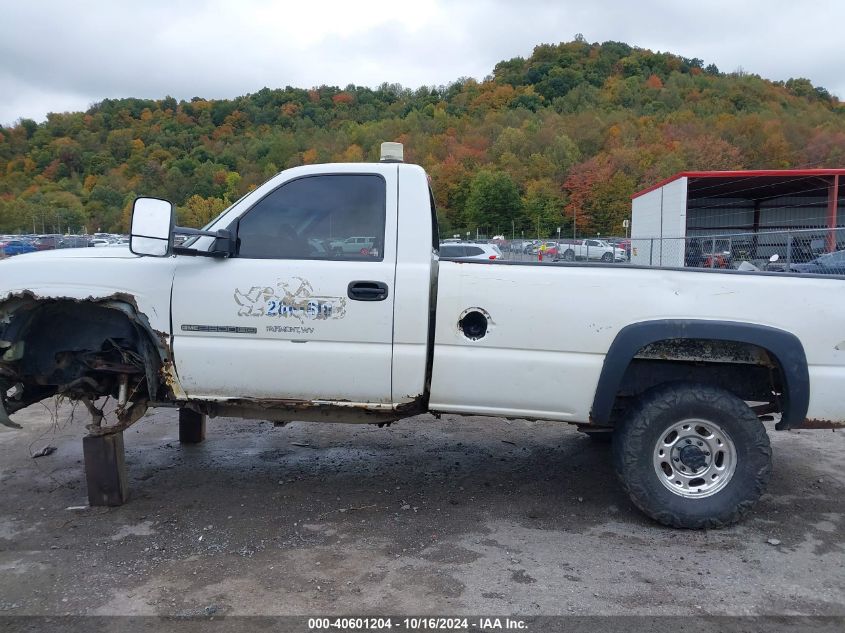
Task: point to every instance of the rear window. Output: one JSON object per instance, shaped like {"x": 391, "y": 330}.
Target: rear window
{"x": 451, "y": 250}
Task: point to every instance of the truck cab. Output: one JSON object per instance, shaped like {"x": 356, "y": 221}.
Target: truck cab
{"x": 288, "y": 317}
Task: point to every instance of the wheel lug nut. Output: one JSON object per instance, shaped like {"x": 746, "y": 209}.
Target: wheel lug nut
{"x": 701, "y": 443}
{"x": 677, "y": 460}
{"x": 708, "y": 454}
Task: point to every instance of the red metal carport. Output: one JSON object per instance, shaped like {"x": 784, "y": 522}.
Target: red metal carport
{"x": 698, "y": 203}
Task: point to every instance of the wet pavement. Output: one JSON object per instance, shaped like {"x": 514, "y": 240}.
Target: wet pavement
{"x": 457, "y": 515}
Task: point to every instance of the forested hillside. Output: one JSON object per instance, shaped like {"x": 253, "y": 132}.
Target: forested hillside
{"x": 575, "y": 127}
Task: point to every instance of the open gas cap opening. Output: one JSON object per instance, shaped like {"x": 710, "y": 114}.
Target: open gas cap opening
{"x": 473, "y": 324}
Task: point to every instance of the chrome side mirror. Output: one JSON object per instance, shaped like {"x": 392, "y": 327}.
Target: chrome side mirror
{"x": 152, "y": 227}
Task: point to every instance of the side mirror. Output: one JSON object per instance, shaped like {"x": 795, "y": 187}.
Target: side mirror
{"x": 224, "y": 244}
{"x": 152, "y": 227}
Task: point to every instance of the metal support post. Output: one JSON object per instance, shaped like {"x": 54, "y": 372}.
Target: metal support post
{"x": 191, "y": 427}
{"x": 105, "y": 469}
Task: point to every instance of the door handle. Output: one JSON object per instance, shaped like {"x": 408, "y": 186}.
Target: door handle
{"x": 367, "y": 290}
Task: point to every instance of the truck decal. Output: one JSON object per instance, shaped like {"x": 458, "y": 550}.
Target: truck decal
{"x": 282, "y": 302}
{"x": 289, "y": 329}
{"x": 228, "y": 329}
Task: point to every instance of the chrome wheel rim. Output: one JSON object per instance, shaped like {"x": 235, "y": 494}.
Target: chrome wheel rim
{"x": 694, "y": 458}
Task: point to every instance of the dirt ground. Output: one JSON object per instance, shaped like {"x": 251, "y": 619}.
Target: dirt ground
{"x": 457, "y": 515}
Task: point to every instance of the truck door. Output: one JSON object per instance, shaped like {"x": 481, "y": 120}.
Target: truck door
{"x": 295, "y": 315}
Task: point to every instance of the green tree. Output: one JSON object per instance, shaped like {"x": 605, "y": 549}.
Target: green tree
{"x": 493, "y": 202}
{"x": 544, "y": 204}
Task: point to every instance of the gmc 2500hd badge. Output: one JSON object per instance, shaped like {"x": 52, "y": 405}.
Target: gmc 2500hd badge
{"x": 281, "y": 301}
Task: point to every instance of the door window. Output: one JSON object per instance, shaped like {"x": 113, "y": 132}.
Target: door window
{"x": 334, "y": 217}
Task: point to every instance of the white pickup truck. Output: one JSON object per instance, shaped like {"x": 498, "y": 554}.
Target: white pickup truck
{"x": 590, "y": 250}
{"x": 254, "y": 317}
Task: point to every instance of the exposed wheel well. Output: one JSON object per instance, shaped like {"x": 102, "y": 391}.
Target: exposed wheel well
{"x": 78, "y": 349}
{"x": 748, "y": 371}
{"x": 758, "y": 363}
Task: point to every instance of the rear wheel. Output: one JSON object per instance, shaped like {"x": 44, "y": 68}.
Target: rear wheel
{"x": 569, "y": 255}
{"x": 693, "y": 456}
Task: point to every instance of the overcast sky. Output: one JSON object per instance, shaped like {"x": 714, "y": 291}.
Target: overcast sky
{"x": 57, "y": 56}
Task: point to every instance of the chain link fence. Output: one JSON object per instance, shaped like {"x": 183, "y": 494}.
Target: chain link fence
{"x": 819, "y": 250}
{"x": 567, "y": 250}
{"x": 810, "y": 250}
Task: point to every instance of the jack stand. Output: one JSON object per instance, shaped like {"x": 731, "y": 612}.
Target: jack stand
{"x": 191, "y": 427}
{"x": 4, "y": 417}
{"x": 105, "y": 469}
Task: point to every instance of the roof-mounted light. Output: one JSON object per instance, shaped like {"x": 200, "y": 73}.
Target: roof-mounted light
{"x": 392, "y": 153}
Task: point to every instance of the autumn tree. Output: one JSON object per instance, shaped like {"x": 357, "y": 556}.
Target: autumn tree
{"x": 599, "y": 197}
{"x": 574, "y": 125}
{"x": 199, "y": 211}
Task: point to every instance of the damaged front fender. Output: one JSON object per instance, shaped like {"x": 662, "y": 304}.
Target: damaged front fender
{"x": 103, "y": 328}
{"x": 81, "y": 349}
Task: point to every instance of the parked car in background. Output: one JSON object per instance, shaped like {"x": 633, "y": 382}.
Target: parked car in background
{"x": 549, "y": 249}
{"x": 75, "y": 241}
{"x": 622, "y": 243}
{"x": 514, "y": 246}
{"x": 827, "y": 264}
{"x": 16, "y": 247}
{"x": 48, "y": 242}
{"x": 590, "y": 250}
{"x": 353, "y": 245}
{"x": 700, "y": 253}
{"x": 470, "y": 251}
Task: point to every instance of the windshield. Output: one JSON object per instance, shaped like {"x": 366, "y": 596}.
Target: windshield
{"x": 191, "y": 240}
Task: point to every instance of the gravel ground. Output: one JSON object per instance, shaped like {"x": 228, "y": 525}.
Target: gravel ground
{"x": 449, "y": 516}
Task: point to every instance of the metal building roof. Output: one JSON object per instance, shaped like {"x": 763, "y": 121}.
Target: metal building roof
{"x": 768, "y": 182}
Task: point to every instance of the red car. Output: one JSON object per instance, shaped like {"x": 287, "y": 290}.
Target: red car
{"x": 550, "y": 249}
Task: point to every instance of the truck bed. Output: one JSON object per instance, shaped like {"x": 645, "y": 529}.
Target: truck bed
{"x": 550, "y": 326}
